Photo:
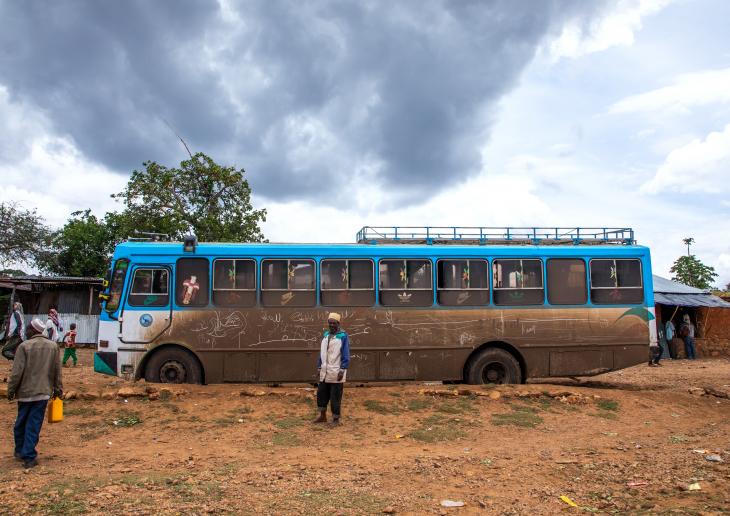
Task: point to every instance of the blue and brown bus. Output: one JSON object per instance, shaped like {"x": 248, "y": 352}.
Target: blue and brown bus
{"x": 477, "y": 305}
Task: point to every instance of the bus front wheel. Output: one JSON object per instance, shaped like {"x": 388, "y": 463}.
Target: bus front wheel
{"x": 493, "y": 365}
{"x": 173, "y": 366}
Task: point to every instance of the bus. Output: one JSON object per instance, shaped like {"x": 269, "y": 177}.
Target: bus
{"x": 473, "y": 305}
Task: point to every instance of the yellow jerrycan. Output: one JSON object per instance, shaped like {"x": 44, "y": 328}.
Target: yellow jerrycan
{"x": 55, "y": 410}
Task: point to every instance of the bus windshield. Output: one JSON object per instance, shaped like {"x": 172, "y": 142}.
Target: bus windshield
{"x": 116, "y": 285}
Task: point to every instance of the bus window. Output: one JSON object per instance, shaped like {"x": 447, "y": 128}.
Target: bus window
{"x": 406, "y": 283}
{"x": 463, "y": 282}
{"x": 566, "y": 281}
{"x": 117, "y": 285}
{"x": 616, "y": 282}
{"x": 288, "y": 283}
{"x": 149, "y": 288}
{"x": 191, "y": 282}
{"x": 234, "y": 283}
{"x": 347, "y": 283}
{"x": 518, "y": 282}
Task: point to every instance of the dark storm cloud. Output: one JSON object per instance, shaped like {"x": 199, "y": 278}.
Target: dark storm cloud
{"x": 302, "y": 94}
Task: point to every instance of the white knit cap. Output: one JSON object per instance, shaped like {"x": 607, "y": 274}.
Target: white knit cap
{"x": 38, "y": 325}
{"x": 334, "y": 317}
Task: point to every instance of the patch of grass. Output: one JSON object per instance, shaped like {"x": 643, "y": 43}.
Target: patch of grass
{"x": 317, "y": 502}
{"x": 52, "y": 500}
{"x": 172, "y": 407}
{"x": 395, "y": 394}
{"x": 437, "y": 428}
{"x": 419, "y": 404}
{"x": 521, "y": 416}
{"x": 605, "y": 415}
{"x": 380, "y": 408}
{"x": 126, "y": 419}
{"x": 608, "y": 405}
{"x": 196, "y": 492}
{"x": 288, "y": 422}
{"x": 677, "y": 439}
{"x": 80, "y": 410}
{"x": 460, "y": 406}
{"x": 285, "y": 438}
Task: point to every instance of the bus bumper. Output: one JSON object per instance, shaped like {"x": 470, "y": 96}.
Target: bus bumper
{"x": 105, "y": 362}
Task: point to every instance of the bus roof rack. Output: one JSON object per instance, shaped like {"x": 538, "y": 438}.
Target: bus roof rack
{"x": 457, "y": 235}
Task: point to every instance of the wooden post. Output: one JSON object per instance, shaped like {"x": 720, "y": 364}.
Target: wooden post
{"x": 91, "y": 298}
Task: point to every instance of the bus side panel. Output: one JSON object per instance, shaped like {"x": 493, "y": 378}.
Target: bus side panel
{"x": 283, "y": 344}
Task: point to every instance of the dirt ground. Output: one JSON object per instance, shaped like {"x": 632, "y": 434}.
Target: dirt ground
{"x": 633, "y": 441}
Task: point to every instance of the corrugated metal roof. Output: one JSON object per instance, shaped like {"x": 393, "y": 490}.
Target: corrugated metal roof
{"x": 66, "y": 280}
{"x": 667, "y": 292}
{"x": 666, "y": 286}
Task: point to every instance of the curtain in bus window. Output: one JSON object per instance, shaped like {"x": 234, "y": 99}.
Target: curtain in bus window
{"x": 616, "y": 281}
{"x": 191, "y": 282}
{"x": 288, "y": 282}
{"x": 149, "y": 288}
{"x": 406, "y": 283}
{"x": 347, "y": 283}
{"x": 234, "y": 283}
{"x": 463, "y": 283}
{"x": 566, "y": 281}
{"x": 518, "y": 282}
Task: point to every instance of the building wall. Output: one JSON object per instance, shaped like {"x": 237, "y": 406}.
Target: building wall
{"x": 714, "y": 325}
{"x": 87, "y": 326}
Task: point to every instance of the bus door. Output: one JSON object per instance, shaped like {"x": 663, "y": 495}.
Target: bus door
{"x": 147, "y": 311}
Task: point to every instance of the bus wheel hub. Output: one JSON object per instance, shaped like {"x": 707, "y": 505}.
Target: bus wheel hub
{"x": 172, "y": 372}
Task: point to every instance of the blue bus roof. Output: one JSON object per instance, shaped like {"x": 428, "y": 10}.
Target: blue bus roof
{"x": 175, "y": 250}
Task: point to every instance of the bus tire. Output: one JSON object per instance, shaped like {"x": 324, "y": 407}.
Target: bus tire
{"x": 173, "y": 365}
{"x": 493, "y": 365}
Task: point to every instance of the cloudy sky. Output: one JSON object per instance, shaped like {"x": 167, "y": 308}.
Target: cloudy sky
{"x": 344, "y": 114}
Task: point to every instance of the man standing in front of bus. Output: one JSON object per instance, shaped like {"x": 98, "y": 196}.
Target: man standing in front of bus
{"x": 333, "y": 361}
{"x": 35, "y": 377}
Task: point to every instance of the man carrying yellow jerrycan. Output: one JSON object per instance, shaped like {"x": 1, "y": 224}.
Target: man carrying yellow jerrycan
{"x": 35, "y": 378}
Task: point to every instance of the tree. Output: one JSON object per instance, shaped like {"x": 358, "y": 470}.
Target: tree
{"x": 24, "y": 236}
{"x": 81, "y": 248}
{"x": 201, "y": 197}
{"x": 691, "y": 271}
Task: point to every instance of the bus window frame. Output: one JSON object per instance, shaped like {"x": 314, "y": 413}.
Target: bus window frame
{"x": 543, "y": 280}
{"x": 261, "y": 288}
{"x": 152, "y": 268}
{"x": 121, "y": 298}
{"x": 586, "y": 277}
{"x": 208, "y": 291}
{"x": 374, "y": 290}
{"x": 489, "y": 282}
{"x": 641, "y": 281}
{"x": 255, "y": 276}
{"x": 405, "y": 260}
{"x": 348, "y": 260}
{"x": 431, "y": 277}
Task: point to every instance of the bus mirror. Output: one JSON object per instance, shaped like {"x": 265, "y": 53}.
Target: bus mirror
{"x": 190, "y": 242}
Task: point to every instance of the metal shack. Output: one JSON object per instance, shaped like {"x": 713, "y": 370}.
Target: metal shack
{"x": 709, "y": 313}
{"x": 76, "y": 299}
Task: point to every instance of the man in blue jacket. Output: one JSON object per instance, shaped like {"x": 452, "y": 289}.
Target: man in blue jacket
{"x": 334, "y": 359}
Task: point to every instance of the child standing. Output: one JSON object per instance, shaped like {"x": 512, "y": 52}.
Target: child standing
{"x": 69, "y": 341}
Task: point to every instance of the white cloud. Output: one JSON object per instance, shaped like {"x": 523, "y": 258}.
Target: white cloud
{"x": 688, "y": 91}
{"x": 615, "y": 28}
{"x": 42, "y": 171}
{"x": 699, "y": 166}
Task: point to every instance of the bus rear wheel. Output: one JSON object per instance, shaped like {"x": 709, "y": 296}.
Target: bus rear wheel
{"x": 173, "y": 366}
{"x": 493, "y": 365}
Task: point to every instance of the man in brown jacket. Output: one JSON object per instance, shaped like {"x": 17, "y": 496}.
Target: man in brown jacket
{"x": 35, "y": 377}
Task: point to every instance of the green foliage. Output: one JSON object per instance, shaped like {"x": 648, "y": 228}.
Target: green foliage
{"x": 24, "y": 236}
{"x": 691, "y": 271}
{"x": 82, "y": 247}
{"x": 201, "y": 197}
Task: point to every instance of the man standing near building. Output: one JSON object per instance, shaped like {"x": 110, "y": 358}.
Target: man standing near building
{"x": 334, "y": 359}
{"x": 687, "y": 332}
{"x": 16, "y": 331}
{"x": 35, "y": 377}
